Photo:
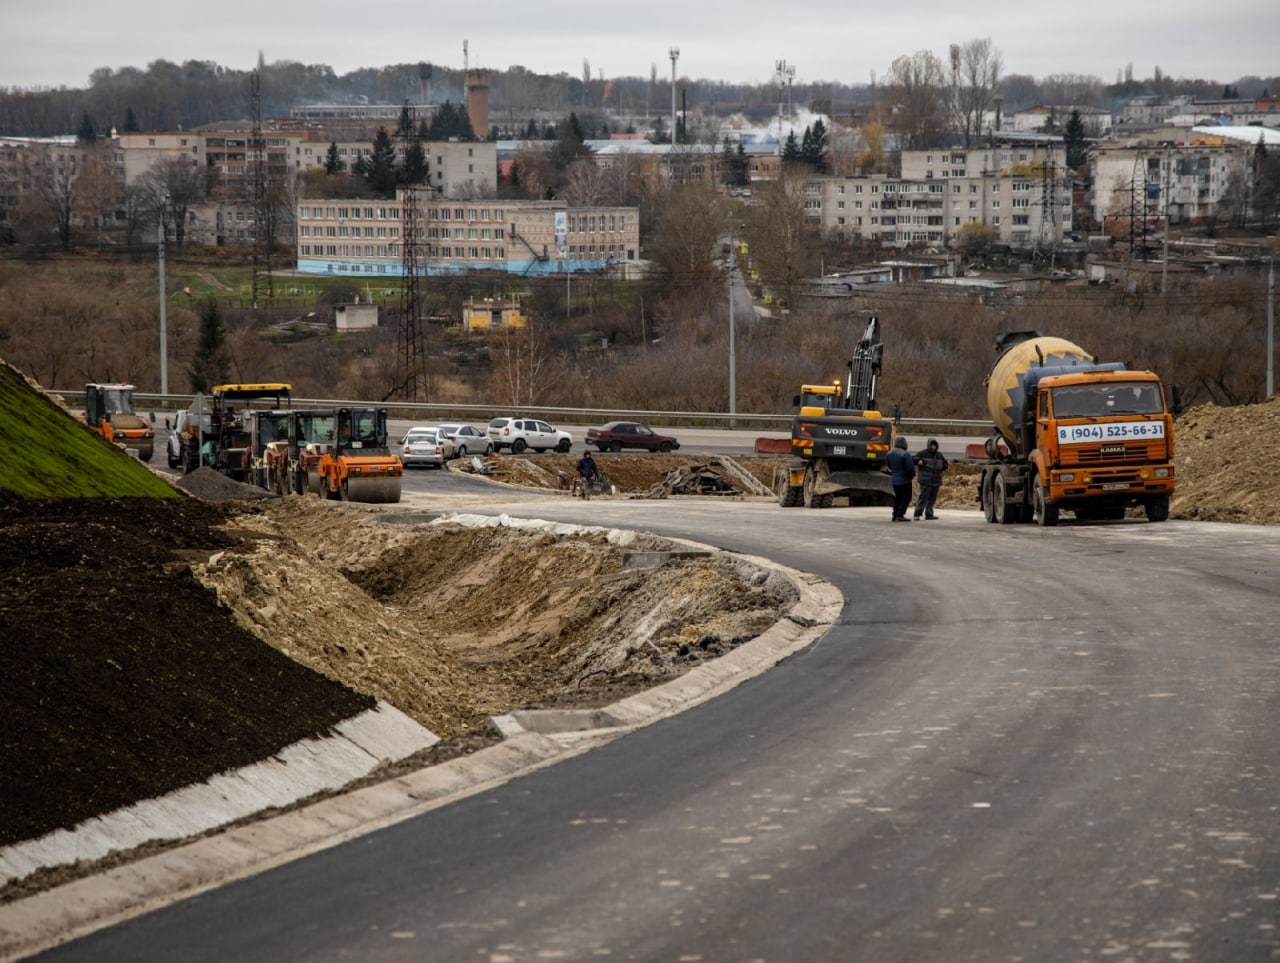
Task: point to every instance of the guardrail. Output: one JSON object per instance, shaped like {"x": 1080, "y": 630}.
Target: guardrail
{"x": 481, "y": 414}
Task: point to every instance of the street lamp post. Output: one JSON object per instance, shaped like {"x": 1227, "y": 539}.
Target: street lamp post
{"x": 674, "y": 52}
{"x": 733, "y": 378}
{"x": 164, "y": 345}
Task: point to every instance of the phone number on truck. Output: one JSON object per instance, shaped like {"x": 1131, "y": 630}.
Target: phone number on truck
{"x": 1113, "y": 431}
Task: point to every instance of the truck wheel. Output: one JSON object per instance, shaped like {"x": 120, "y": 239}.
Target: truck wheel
{"x": 1006, "y": 514}
{"x": 791, "y": 497}
{"x": 1157, "y": 508}
{"x": 1042, "y": 514}
{"x": 987, "y": 498}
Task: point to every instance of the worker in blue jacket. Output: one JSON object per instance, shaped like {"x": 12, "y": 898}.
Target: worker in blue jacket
{"x": 902, "y": 472}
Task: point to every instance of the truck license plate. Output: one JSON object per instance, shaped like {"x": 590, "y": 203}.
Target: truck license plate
{"x": 838, "y": 450}
{"x": 1116, "y": 487}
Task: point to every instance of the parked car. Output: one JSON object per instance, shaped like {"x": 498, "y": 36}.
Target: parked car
{"x": 468, "y": 440}
{"x": 184, "y": 422}
{"x": 425, "y": 445}
{"x": 617, "y": 435}
{"x": 519, "y": 433}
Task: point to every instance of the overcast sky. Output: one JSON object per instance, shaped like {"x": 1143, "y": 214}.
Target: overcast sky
{"x": 55, "y": 43}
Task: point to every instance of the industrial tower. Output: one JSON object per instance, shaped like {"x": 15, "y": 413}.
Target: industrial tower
{"x": 411, "y": 360}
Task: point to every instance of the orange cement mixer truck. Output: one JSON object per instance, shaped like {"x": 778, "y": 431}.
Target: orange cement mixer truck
{"x": 1073, "y": 435}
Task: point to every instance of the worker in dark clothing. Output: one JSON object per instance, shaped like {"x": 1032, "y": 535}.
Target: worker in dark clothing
{"x": 902, "y": 471}
{"x": 588, "y": 472}
{"x": 930, "y": 464}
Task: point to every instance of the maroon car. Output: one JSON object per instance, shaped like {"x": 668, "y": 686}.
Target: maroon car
{"x": 617, "y": 435}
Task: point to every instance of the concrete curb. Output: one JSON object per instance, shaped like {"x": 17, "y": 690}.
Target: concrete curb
{"x": 533, "y": 739}
{"x": 359, "y": 745}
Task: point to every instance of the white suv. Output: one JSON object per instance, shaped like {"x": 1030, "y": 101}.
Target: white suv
{"x": 521, "y": 433}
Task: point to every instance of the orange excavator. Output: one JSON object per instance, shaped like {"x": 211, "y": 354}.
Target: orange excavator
{"x": 108, "y": 411}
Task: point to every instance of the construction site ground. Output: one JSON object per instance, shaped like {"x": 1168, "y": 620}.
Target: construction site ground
{"x": 149, "y": 643}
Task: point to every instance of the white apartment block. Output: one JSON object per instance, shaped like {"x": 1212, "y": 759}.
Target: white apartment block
{"x": 363, "y": 238}
{"x": 1021, "y": 191}
{"x": 1186, "y": 183}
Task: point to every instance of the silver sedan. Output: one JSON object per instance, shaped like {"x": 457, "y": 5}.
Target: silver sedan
{"x": 468, "y": 440}
{"x": 425, "y": 445}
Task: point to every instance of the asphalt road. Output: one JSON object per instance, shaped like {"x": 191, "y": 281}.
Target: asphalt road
{"x": 1017, "y": 744}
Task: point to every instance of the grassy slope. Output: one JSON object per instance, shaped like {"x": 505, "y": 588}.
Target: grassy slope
{"x": 47, "y": 453}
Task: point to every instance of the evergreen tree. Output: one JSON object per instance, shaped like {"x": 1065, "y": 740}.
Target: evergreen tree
{"x": 332, "y": 161}
{"x": 726, "y": 163}
{"x": 416, "y": 170}
{"x": 451, "y": 122}
{"x": 88, "y": 131}
{"x": 1075, "y": 142}
{"x": 209, "y": 365}
{"x": 130, "y": 125}
{"x": 741, "y": 167}
{"x": 791, "y": 149}
{"x": 379, "y": 169}
{"x": 813, "y": 148}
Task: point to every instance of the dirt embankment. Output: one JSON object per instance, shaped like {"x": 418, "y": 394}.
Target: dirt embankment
{"x": 454, "y": 624}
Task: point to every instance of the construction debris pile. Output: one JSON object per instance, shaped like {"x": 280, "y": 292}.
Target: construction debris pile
{"x": 693, "y": 480}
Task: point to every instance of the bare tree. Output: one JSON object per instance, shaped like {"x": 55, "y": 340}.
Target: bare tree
{"x": 690, "y": 226}
{"x": 524, "y": 365}
{"x": 784, "y": 249}
{"x": 53, "y": 174}
{"x": 173, "y": 185}
{"x": 975, "y": 77}
{"x": 99, "y": 192}
{"x": 586, "y": 185}
{"x": 916, "y": 88}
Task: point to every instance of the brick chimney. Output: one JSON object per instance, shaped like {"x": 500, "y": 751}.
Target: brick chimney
{"x": 478, "y": 102}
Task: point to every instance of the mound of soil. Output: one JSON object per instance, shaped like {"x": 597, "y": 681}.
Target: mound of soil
{"x": 124, "y": 676}
{"x": 149, "y": 644}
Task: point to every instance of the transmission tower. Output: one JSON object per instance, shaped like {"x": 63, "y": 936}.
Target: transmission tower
{"x": 260, "y": 202}
{"x": 1050, "y": 221}
{"x": 411, "y": 373}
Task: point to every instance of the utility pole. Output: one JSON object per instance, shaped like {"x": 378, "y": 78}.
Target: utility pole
{"x": 733, "y": 378}
{"x": 674, "y": 53}
{"x": 1271, "y": 325}
{"x": 164, "y": 336}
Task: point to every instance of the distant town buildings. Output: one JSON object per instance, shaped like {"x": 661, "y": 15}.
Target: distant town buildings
{"x": 1152, "y": 163}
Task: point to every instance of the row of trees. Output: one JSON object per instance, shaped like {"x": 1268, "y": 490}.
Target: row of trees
{"x": 67, "y": 323}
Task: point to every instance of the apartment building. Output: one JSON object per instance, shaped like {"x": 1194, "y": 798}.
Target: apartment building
{"x": 364, "y": 237}
{"x": 457, "y": 168}
{"x": 1184, "y": 182}
{"x": 1022, "y": 191}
